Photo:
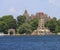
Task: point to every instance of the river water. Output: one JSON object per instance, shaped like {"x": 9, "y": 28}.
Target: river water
{"x": 29, "y": 42}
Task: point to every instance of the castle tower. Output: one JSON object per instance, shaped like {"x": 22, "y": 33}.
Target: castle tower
{"x": 41, "y": 24}
{"x": 41, "y": 30}
{"x": 26, "y": 15}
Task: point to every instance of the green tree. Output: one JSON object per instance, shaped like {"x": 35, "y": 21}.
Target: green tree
{"x": 58, "y": 22}
{"x": 21, "y": 19}
{"x": 3, "y": 26}
{"x": 34, "y": 23}
{"x": 28, "y": 27}
{"x": 10, "y": 21}
{"x": 25, "y": 28}
{"x": 52, "y": 25}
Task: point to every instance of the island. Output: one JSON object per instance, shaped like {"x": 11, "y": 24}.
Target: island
{"x": 38, "y": 24}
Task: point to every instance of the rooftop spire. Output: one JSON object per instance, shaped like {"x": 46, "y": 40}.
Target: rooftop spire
{"x": 26, "y": 11}
{"x": 26, "y": 14}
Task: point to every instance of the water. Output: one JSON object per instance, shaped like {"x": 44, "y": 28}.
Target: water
{"x": 30, "y": 43}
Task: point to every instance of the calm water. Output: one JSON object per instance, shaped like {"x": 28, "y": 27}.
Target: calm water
{"x": 30, "y": 43}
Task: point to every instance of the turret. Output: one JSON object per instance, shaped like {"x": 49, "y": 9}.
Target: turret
{"x": 26, "y": 15}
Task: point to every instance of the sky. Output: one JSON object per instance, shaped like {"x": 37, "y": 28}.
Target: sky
{"x": 17, "y": 7}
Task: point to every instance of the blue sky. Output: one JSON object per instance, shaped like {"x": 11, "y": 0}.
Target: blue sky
{"x": 17, "y": 7}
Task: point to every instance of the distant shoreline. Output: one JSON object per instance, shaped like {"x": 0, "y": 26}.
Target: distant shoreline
{"x": 27, "y": 35}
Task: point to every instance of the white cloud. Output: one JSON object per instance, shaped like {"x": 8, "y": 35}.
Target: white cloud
{"x": 12, "y": 10}
{"x": 54, "y": 2}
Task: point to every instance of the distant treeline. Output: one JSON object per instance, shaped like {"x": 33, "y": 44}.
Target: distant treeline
{"x": 21, "y": 25}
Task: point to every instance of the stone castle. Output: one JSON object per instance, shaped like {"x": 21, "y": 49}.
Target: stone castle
{"x": 41, "y": 30}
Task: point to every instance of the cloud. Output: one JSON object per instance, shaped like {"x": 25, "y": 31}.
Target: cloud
{"x": 54, "y": 2}
{"x": 12, "y": 10}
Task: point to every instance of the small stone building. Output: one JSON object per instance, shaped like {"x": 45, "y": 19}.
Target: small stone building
{"x": 11, "y": 32}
